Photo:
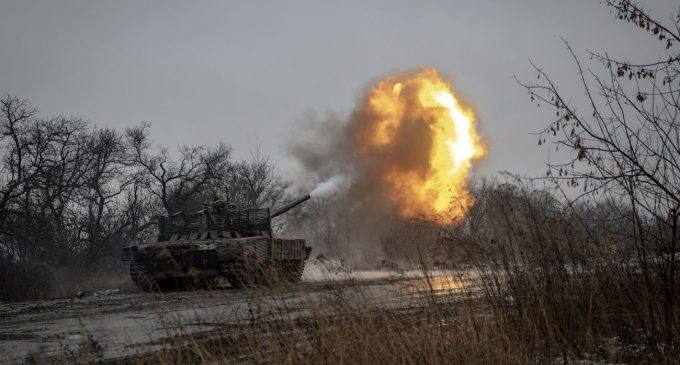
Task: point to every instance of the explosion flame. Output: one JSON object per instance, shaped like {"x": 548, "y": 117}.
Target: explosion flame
{"x": 420, "y": 141}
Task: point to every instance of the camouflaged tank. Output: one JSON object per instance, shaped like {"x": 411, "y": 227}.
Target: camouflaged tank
{"x": 218, "y": 241}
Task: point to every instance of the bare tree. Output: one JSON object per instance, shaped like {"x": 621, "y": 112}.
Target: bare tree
{"x": 256, "y": 182}
{"x": 44, "y": 163}
{"x": 71, "y": 195}
{"x": 15, "y": 119}
{"x": 625, "y": 142}
{"x": 106, "y": 195}
{"x": 175, "y": 182}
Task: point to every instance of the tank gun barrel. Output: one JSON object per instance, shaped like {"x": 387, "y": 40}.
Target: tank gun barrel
{"x": 290, "y": 206}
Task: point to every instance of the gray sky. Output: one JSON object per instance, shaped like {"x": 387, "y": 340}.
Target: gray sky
{"x": 244, "y": 72}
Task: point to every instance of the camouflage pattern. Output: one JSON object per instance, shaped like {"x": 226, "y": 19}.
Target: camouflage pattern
{"x": 217, "y": 241}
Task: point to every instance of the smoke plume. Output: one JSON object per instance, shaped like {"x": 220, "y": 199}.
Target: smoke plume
{"x": 330, "y": 187}
{"x": 404, "y": 153}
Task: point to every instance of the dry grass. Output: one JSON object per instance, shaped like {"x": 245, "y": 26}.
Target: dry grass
{"x": 556, "y": 286}
{"x": 550, "y": 288}
{"x": 466, "y": 330}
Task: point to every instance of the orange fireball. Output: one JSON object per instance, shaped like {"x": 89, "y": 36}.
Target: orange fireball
{"x": 419, "y": 141}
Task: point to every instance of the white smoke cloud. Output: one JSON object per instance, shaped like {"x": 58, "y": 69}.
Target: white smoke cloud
{"x": 331, "y": 187}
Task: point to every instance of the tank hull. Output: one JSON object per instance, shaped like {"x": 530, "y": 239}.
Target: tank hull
{"x": 243, "y": 262}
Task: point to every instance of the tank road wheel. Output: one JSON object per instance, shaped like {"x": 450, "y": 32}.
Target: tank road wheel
{"x": 233, "y": 271}
{"x": 197, "y": 280}
{"x": 141, "y": 278}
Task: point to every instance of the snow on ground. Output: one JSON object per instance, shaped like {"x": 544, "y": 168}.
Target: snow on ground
{"x": 334, "y": 270}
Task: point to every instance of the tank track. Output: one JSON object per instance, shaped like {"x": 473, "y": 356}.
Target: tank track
{"x": 239, "y": 277}
{"x": 233, "y": 271}
{"x": 140, "y": 277}
{"x": 147, "y": 283}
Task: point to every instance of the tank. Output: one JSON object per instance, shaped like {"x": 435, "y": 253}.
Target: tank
{"x": 219, "y": 241}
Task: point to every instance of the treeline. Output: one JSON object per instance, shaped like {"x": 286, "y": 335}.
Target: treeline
{"x": 73, "y": 194}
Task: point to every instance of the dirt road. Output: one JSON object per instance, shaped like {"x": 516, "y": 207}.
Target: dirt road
{"x": 113, "y": 325}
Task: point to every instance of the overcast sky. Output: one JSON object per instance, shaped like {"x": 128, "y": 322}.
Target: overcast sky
{"x": 244, "y": 72}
